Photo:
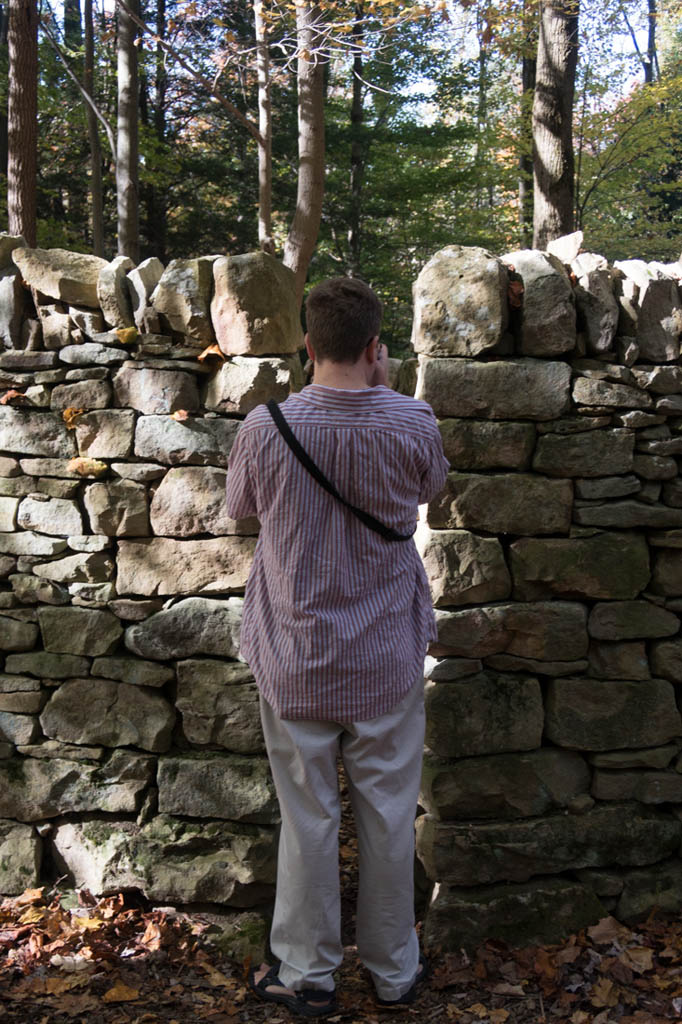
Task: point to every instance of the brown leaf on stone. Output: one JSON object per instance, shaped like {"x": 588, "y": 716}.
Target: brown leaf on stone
{"x": 180, "y": 415}
{"x": 71, "y": 417}
{"x": 515, "y": 293}
{"x": 212, "y": 352}
{"x": 127, "y": 335}
{"x": 120, "y": 993}
{"x": 14, "y": 397}
{"x": 87, "y": 467}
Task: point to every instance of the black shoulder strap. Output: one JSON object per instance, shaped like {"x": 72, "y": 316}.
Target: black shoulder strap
{"x": 285, "y": 430}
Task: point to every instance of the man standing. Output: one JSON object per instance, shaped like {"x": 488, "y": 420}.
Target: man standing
{"x": 337, "y": 617}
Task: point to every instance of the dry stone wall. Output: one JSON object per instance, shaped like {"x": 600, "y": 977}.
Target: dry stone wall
{"x": 131, "y": 755}
{"x": 552, "y": 781}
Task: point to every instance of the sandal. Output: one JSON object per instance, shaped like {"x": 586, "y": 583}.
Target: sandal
{"x": 308, "y": 1002}
{"x": 409, "y": 997}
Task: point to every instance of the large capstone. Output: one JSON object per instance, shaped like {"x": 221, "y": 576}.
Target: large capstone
{"x": 69, "y": 276}
{"x": 254, "y": 308}
{"x": 183, "y": 296}
{"x": 548, "y": 310}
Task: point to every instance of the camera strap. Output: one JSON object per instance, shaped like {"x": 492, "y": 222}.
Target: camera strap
{"x": 285, "y": 430}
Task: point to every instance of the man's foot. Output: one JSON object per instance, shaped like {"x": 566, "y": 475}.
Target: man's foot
{"x": 411, "y": 994}
{"x": 308, "y": 1002}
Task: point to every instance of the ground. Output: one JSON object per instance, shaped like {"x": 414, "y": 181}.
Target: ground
{"x": 118, "y": 961}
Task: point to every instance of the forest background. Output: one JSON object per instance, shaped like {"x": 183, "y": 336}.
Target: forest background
{"x": 427, "y": 123}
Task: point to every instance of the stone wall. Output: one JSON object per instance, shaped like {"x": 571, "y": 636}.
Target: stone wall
{"x": 130, "y": 750}
{"x": 552, "y": 779}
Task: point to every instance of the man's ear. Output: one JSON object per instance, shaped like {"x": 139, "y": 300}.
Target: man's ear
{"x": 372, "y": 349}
{"x": 309, "y": 348}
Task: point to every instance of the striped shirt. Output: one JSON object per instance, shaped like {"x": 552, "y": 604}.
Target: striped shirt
{"x": 336, "y": 619}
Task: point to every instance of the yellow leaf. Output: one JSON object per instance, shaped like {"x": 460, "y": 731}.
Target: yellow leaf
{"x": 127, "y": 335}
{"x": 498, "y": 1016}
{"x": 33, "y": 915}
{"x": 88, "y": 924}
{"x": 87, "y": 467}
{"x": 180, "y": 415}
{"x": 71, "y": 417}
{"x": 120, "y": 993}
{"x": 212, "y": 352}
{"x": 30, "y": 896}
{"x": 216, "y": 978}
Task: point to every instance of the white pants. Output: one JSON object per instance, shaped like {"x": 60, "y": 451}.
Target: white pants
{"x": 382, "y": 759}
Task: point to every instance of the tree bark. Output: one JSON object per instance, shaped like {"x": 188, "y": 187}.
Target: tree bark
{"x": 4, "y": 64}
{"x": 651, "y": 63}
{"x": 96, "y": 194}
{"x": 528, "y": 70}
{"x": 265, "y": 239}
{"x": 553, "y": 121}
{"x": 127, "y": 135}
{"x": 302, "y": 238}
{"x": 357, "y": 152}
{"x": 22, "y": 117}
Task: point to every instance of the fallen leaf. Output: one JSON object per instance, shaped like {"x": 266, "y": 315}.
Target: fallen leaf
{"x": 580, "y": 1017}
{"x": 503, "y": 988}
{"x": 127, "y": 335}
{"x": 120, "y": 993}
{"x": 604, "y": 993}
{"x": 609, "y": 930}
{"x": 180, "y": 415}
{"x": 212, "y": 352}
{"x": 30, "y": 896}
{"x": 515, "y": 293}
{"x": 216, "y": 978}
{"x": 498, "y": 1016}
{"x": 87, "y": 467}
{"x": 478, "y": 1009}
{"x": 71, "y": 417}
{"x": 14, "y": 397}
{"x": 638, "y": 958}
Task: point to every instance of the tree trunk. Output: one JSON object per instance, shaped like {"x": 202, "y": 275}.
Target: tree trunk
{"x": 528, "y": 69}
{"x": 300, "y": 243}
{"x": 265, "y": 240}
{"x": 127, "y": 136}
{"x": 96, "y": 194}
{"x": 357, "y": 155}
{"x": 22, "y": 117}
{"x": 4, "y": 64}
{"x": 651, "y": 62}
{"x": 158, "y": 212}
{"x": 73, "y": 30}
{"x": 553, "y": 121}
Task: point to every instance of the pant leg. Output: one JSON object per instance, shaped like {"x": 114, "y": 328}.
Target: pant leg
{"x": 383, "y": 758}
{"x": 306, "y": 927}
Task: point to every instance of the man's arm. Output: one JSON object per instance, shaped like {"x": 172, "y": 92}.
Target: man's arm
{"x": 437, "y": 466}
{"x": 240, "y": 493}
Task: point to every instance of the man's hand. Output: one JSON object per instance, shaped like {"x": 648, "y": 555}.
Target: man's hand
{"x": 380, "y": 374}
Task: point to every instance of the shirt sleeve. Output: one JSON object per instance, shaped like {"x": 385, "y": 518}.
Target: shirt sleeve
{"x": 240, "y": 495}
{"x": 436, "y": 468}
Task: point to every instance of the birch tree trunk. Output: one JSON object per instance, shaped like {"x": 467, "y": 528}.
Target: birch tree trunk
{"x": 553, "y": 121}
{"x": 127, "y": 135}
{"x": 265, "y": 240}
{"x": 302, "y": 238}
{"x": 96, "y": 195}
{"x": 22, "y": 119}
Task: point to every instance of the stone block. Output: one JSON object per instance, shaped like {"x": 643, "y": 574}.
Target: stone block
{"x": 56, "y": 329}
{"x": 552, "y": 630}
{"x": 540, "y": 911}
{"x": 666, "y": 578}
{"x": 460, "y": 303}
{"x": 155, "y": 392}
{"x": 226, "y": 786}
{"x": 196, "y": 625}
{"x": 463, "y": 568}
{"x": 487, "y": 444}
{"x": 98, "y": 353}
{"x": 113, "y": 294}
{"x": 18, "y": 729}
{"x": 165, "y": 566}
{"x": 606, "y": 565}
{"x": 607, "y": 487}
{"x": 628, "y": 514}
{"x": 659, "y": 321}
{"x": 647, "y": 787}
{"x": 8, "y": 514}
{"x": 513, "y": 663}
{"x": 666, "y": 659}
{"x": 107, "y": 712}
{"x": 35, "y": 788}
{"x": 16, "y": 635}
{"x": 12, "y": 308}
{"x": 84, "y": 567}
{"x": 134, "y": 671}
{"x": 503, "y": 786}
{"x": 621, "y": 661}
{"x": 183, "y": 295}
{"x": 29, "y": 432}
{"x": 484, "y": 714}
{"x": 651, "y": 890}
{"x": 514, "y": 851}
{"x": 57, "y": 516}
{"x": 254, "y": 308}
{"x": 138, "y": 472}
{"x": 191, "y": 500}
{"x": 89, "y": 321}
{"x": 23, "y": 703}
{"x": 244, "y": 382}
{"x": 46, "y": 665}
{"x": 86, "y": 394}
{"x": 602, "y": 393}
{"x": 647, "y": 757}
{"x": 506, "y": 389}
{"x": 18, "y": 684}
{"x": 660, "y": 380}
{"x": 592, "y": 453}
{"x": 519, "y": 503}
{"x": 79, "y": 630}
{"x": 203, "y": 442}
{"x": 548, "y": 309}
{"x": 589, "y": 714}
{"x": 631, "y": 620}
{"x": 170, "y": 860}
{"x": 67, "y": 276}
{"x": 20, "y": 858}
{"x": 118, "y": 508}
{"x": 597, "y": 307}
{"x": 218, "y": 701}
{"x": 30, "y": 544}
{"x": 105, "y": 433}
{"x": 142, "y": 281}
{"x": 655, "y": 467}
{"x": 28, "y": 589}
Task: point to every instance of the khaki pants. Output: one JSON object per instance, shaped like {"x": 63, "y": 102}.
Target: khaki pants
{"x": 382, "y": 759}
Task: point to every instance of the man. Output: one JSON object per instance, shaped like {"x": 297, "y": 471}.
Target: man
{"x": 336, "y": 623}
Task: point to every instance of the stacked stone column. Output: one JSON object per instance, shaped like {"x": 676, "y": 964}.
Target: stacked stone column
{"x": 552, "y": 779}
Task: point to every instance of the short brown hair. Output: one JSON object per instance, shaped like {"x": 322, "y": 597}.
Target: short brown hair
{"x": 342, "y": 316}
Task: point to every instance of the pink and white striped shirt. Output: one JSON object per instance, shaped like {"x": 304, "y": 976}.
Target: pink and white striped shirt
{"x": 336, "y": 619}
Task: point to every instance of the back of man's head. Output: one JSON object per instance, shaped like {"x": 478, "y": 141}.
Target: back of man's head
{"x": 342, "y": 316}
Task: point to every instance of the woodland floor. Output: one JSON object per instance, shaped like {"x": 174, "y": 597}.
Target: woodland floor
{"x": 116, "y": 961}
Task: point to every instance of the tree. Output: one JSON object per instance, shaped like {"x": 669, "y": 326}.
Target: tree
{"x": 127, "y": 134}
{"x": 22, "y": 119}
{"x": 553, "y": 161}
